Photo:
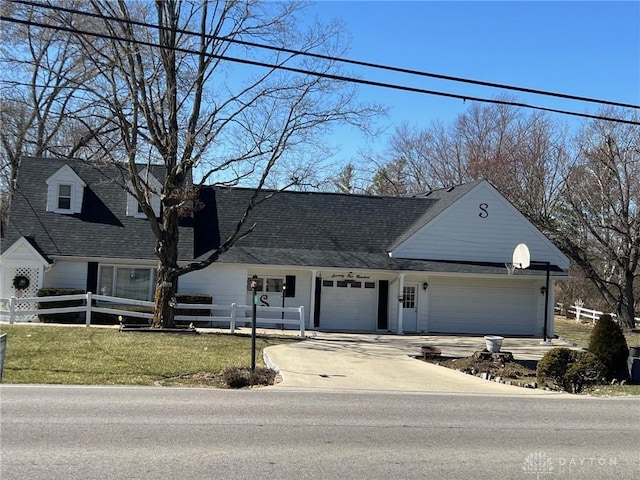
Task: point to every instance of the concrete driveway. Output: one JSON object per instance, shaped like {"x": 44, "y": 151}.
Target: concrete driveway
{"x": 384, "y": 362}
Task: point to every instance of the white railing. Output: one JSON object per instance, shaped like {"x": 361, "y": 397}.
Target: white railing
{"x": 593, "y": 315}
{"x": 231, "y": 314}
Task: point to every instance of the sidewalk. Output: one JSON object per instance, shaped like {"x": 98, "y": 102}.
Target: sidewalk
{"x": 385, "y": 362}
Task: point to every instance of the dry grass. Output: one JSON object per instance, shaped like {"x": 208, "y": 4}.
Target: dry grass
{"x": 579, "y": 332}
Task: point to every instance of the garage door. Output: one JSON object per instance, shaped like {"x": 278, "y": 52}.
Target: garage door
{"x": 348, "y": 305}
{"x": 482, "y": 307}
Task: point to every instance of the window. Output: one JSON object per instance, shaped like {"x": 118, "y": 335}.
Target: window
{"x": 268, "y": 284}
{"x": 327, "y": 283}
{"x": 136, "y": 283}
{"x": 64, "y": 197}
{"x": 369, "y": 284}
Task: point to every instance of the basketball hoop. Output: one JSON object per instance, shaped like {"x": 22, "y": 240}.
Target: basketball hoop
{"x": 510, "y": 268}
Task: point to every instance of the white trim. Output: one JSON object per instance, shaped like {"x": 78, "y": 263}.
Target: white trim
{"x": 19, "y": 243}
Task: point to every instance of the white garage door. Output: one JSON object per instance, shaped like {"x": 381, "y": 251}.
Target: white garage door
{"x": 482, "y": 307}
{"x": 348, "y": 305}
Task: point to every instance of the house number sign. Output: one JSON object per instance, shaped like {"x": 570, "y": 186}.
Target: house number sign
{"x": 484, "y": 210}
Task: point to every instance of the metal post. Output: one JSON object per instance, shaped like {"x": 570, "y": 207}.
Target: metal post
{"x": 546, "y": 305}
{"x": 254, "y": 286}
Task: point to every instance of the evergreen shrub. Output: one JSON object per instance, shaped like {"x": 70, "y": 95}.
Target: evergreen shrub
{"x": 608, "y": 344}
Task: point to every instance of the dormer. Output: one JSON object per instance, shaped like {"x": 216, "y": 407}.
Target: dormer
{"x": 154, "y": 187}
{"x": 65, "y": 191}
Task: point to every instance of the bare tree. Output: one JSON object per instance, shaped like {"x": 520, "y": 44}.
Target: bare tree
{"x": 41, "y": 69}
{"x": 584, "y": 195}
{"x": 598, "y": 224}
{"x": 163, "y": 91}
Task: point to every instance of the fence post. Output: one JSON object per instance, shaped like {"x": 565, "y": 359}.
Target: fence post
{"x": 302, "y": 321}
{"x": 12, "y": 310}
{"x": 88, "y": 311}
{"x": 578, "y": 313}
{"x": 232, "y": 322}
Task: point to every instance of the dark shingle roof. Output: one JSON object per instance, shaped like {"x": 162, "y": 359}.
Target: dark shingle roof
{"x": 101, "y": 230}
{"x": 292, "y": 228}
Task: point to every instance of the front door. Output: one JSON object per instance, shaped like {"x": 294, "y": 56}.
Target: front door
{"x": 410, "y": 307}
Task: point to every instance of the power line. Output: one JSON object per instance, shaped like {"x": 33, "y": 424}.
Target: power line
{"x": 324, "y": 75}
{"x": 337, "y": 59}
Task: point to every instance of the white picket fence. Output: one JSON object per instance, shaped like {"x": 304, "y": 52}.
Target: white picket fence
{"x": 14, "y": 308}
{"x": 593, "y": 315}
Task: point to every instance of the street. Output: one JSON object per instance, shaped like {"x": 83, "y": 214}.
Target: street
{"x": 58, "y": 432}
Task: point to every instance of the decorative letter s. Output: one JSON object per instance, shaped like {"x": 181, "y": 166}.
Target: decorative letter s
{"x": 484, "y": 210}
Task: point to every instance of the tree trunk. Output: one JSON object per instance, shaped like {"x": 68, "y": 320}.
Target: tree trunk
{"x": 167, "y": 282}
{"x": 626, "y": 318}
{"x": 164, "y": 299}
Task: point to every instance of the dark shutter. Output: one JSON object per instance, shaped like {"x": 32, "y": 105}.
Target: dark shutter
{"x": 290, "y": 282}
{"x": 383, "y": 305}
{"x": 92, "y": 277}
{"x": 318, "y": 296}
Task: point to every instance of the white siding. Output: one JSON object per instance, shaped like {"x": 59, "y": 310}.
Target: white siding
{"x": 67, "y": 274}
{"x": 226, "y": 285}
{"x": 481, "y": 227}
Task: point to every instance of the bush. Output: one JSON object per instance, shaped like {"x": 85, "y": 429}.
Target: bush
{"x": 570, "y": 370}
{"x": 553, "y": 367}
{"x": 587, "y": 370}
{"x": 236, "y": 377}
{"x": 197, "y": 298}
{"x": 608, "y": 344}
{"x": 73, "y": 317}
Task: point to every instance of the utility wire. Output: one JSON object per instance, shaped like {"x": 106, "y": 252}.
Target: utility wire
{"x": 323, "y": 75}
{"x": 336, "y": 59}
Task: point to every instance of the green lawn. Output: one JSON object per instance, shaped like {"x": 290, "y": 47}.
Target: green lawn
{"x": 104, "y": 356}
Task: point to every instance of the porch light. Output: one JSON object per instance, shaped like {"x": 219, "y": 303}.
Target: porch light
{"x": 543, "y": 290}
{"x": 400, "y": 298}
{"x": 425, "y": 285}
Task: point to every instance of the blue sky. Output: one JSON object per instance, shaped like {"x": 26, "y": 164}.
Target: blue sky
{"x": 590, "y": 49}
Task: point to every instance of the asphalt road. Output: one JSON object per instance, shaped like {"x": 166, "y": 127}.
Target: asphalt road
{"x": 51, "y": 433}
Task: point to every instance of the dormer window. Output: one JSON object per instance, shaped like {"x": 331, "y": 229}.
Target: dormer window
{"x": 64, "y": 197}
{"x": 153, "y": 185}
{"x": 65, "y": 191}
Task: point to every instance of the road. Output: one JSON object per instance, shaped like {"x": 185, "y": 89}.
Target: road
{"x": 55, "y": 432}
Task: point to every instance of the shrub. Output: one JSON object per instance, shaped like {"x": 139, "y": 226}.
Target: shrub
{"x": 587, "y": 370}
{"x": 608, "y": 344}
{"x": 73, "y": 317}
{"x": 236, "y": 377}
{"x": 553, "y": 367}
{"x": 197, "y": 298}
{"x": 570, "y": 370}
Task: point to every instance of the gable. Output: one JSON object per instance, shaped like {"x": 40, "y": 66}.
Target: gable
{"x": 482, "y": 226}
{"x": 65, "y": 191}
{"x": 23, "y": 252}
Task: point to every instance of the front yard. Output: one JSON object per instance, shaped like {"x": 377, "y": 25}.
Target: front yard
{"x": 44, "y": 354}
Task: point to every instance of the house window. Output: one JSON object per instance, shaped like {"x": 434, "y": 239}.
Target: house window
{"x": 327, "y": 283}
{"x": 136, "y": 283}
{"x": 64, "y": 197}
{"x": 266, "y": 284}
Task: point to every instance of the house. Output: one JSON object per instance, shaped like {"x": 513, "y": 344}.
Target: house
{"x": 430, "y": 263}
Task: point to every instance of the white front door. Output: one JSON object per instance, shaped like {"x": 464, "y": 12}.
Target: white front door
{"x": 410, "y": 307}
